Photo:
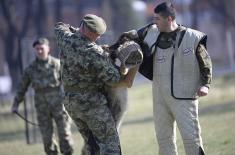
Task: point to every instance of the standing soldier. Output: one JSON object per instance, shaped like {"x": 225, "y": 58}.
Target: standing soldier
{"x": 86, "y": 70}
{"x": 44, "y": 76}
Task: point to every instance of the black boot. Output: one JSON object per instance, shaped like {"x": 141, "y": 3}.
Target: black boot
{"x": 68, "y": 153}
{"x": 52, "y": 153}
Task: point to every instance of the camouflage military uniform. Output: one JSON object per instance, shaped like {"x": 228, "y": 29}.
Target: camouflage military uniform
{"x": 44, "y": 76}
{"x": 85, "y": 70}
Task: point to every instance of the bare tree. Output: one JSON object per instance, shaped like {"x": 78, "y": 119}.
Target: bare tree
{"x": 58, "y": 8}
{"x": 14, "y": 32}
{"x": 40, "y": 17}
{"x": 123, "y": 18}
{"x": 194, "y": 11}
{"x": 225, "y": 9}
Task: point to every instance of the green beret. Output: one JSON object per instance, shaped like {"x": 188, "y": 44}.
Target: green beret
{"x": 41, "y": 41}
{"x": 94, "y": 23}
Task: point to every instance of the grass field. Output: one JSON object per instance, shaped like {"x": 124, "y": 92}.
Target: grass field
{"x": 217, "y": 118}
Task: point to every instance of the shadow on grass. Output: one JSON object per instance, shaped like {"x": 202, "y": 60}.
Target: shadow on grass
{"x": 12, "y": 135}
{"x": 217, "y": 109}
{"x": 20, "y": 136}
{"x": 137, "y": 121}
{"x": 208, "y": 110}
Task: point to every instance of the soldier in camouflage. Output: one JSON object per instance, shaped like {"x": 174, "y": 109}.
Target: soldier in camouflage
{"x": 86, "y": 70}
{"x": 44, "y": 76}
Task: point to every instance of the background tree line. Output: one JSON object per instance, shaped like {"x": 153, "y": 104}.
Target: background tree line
{"x": 24, "y": 18}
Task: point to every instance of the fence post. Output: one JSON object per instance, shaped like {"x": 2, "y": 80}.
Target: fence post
{"x": 25, "y": 103}
{"x": 230, "y": 48}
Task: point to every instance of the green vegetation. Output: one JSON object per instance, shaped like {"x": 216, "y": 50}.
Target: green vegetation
{"x": 217, "y": 115}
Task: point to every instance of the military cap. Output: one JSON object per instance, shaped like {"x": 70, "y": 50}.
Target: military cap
{"x": 94, "y": 23}
{"x": 40, "y": 41}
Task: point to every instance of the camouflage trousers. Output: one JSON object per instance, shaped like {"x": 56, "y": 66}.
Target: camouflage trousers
{"x": 117, "y": 104}
{"x": 50, "y": 108}
{"x": 95, "y": 123}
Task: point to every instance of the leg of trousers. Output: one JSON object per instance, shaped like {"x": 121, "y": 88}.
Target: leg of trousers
{"x": 186, "y": 115}
{"x": 97, "y": 121}
{"x": 164, "y": 127}
{"x": 46, "y": 128}
{"x": 63, "y": 123}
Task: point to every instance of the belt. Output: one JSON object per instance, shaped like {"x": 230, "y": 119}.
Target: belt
{"x": 46, "y": 90}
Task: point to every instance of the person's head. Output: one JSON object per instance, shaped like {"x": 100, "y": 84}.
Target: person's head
{"x": 42, "y": 48}
{"x": 92, "y": 26}
{"x": 164, "y": 16}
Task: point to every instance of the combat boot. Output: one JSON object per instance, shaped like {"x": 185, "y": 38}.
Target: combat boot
{"x": 52, "y": 153}
{"x": 68, "y": 153}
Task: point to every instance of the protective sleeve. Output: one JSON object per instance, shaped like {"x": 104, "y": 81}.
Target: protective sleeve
{"x": 205, "y": 65}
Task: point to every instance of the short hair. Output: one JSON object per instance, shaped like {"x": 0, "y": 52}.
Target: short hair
{"x": 166, "y": 9}
{"x": 41, "y": 41}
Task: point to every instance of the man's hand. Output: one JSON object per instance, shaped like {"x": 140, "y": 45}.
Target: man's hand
{"x": 14, "y": 108}
{"x": 105, "y": 47}
{"x": 132, "y": 34}
{"x": 202, "y": 91}
{"x": 73, "y": 29}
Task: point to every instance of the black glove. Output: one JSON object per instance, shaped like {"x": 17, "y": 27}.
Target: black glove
{"x": 14, "y": 108}
{"x": 127, "y": 36}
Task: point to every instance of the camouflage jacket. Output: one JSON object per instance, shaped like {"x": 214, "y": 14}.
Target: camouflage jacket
{"x": 41, "y": 75}
{"x": 84, "y": 64}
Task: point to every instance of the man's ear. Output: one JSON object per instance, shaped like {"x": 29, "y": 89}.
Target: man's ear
{"x": 49, "y": 49}
{"x": 169, "y": 19}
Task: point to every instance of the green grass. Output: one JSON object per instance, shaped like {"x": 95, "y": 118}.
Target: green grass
{"x": 217, "y": 115}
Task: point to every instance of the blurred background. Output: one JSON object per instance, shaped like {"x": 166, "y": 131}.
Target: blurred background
{"x": 22, "y": 21}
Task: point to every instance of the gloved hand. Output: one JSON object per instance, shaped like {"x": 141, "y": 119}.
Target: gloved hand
{"x": 129, "y": 35}
{"x": 14, "y": 108}
{"x": 132, "y": 34}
